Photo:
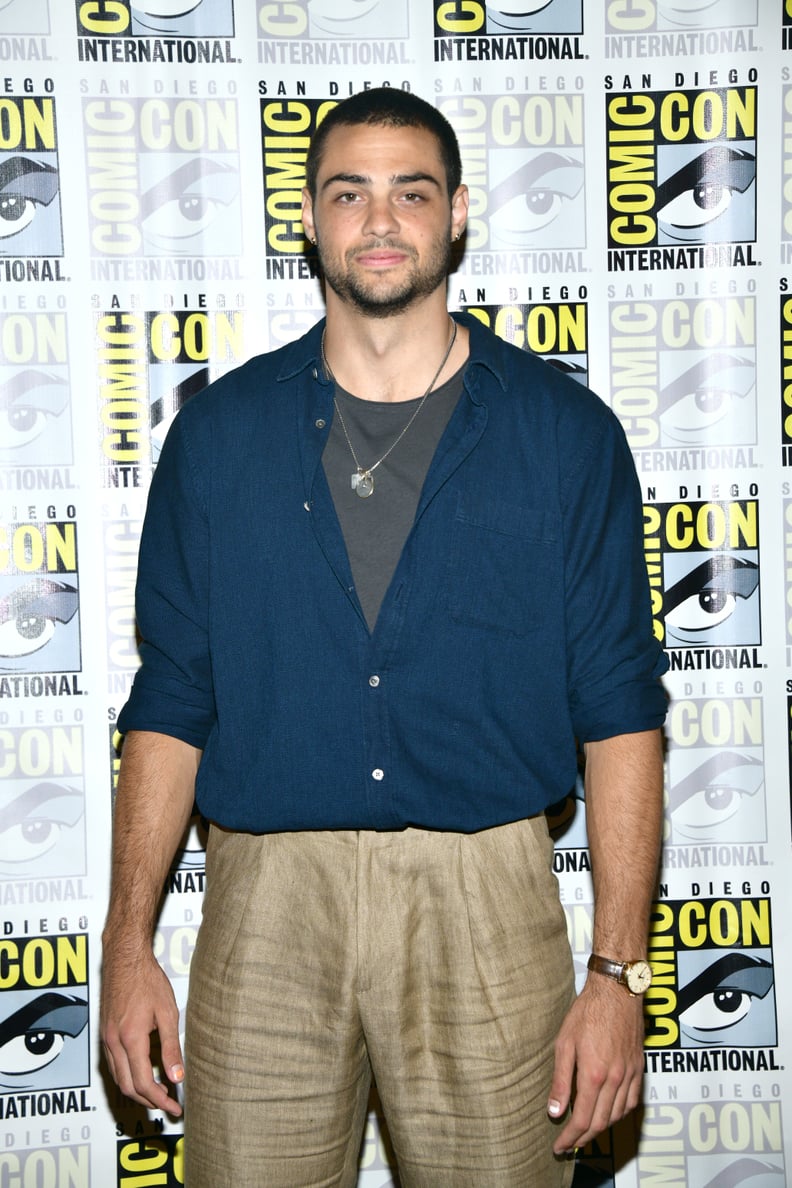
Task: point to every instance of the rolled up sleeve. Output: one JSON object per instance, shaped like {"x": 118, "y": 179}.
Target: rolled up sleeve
{"x": 614, "y": 660}
{"x": 172, "y": 692}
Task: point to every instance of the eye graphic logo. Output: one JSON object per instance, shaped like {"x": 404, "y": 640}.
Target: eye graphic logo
{"x": 715, "y": 602}
{"x": 711, "y": 402}
{"x": 182, "y": 18}
{"x": 706, "y": 196}
{"x": 716, "y": 796}
{"x": 42, "y": 832}
{"x": 471, "y": 18}
{"x": 726, "y": 1000}
{"x": 534, "y": 16}
{"x": 164, "y": 406}
{"x": 705, "y": 14}
{"x": 357, "y": 20}
{"x": 30, "y": 217}
{"x": 24, "y": 16}
{"x": 745, "y": 1172}
{"x": 186, "y": 208}
{"x": 33, "y": 428}
{"x": 540, "y": 201}
{"x": 39, "y": 627}
{"x": 43, "y": 1041}
{"x": 163, "y": 176}
{"x": 680, "y": 15}
{"x": 703, "y": 565}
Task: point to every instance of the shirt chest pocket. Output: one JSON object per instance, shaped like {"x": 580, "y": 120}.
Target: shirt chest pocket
{"x": 504, "y": 572}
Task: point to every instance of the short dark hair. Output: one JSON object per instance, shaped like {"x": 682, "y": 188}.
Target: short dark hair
{"x": 389, "y": 107}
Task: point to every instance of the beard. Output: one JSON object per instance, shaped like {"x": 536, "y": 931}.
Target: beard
{"x": 375, "y": 296}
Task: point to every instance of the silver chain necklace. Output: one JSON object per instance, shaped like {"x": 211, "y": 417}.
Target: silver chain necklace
{"x": 363, "y": 477}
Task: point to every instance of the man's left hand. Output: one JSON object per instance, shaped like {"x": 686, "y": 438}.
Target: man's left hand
{"x": 598, "y": 1062}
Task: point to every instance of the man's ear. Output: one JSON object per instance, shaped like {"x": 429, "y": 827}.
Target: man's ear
{"x": 460, "y": 203}
{"x": 307, "y": 216}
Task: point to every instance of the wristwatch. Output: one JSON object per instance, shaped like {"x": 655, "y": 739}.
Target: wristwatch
{"x": 636, "y": 976}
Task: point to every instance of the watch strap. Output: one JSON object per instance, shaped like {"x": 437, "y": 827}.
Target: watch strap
{"x": 604, "y": 965}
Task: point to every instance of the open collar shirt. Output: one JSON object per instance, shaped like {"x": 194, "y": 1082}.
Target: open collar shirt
{"x": 517, "y": 620}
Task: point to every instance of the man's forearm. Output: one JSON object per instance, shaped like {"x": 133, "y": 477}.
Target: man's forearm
{"x": 156, "y": 789}
{"x": 624, "y": 812}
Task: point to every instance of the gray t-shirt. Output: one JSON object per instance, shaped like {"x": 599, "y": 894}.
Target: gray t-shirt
{"x": 376, "y": 528}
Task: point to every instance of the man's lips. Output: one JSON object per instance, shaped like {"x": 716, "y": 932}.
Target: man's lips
{"x": 381, "y": 258}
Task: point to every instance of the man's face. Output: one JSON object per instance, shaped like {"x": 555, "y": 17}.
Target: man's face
{"x": 382, "y": 217}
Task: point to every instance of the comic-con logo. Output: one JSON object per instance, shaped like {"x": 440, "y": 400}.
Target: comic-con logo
{"x": 355, "y": 20}
{"x": 68, "y": 1165}
{"x": 30, "y": 209}
{"x": 471, "y": 18}
{"x": 703, "y": 562}
{"x": 43, "y": 1012}
{"x": 523, "y": 162}
{"x": 556, "y": 331}
{"x": 42, "y": 802}
{"x": 151, "y": 1161}
{"x": 163, "y": 176}
{"x": 715, "y": 772}
{"x": 713, "y": 979}
{"x": 645, "y": 16}
{"x": 24, "y": 16}
{"x": 39, "y": 598}
{"x": 155, "y": 18}
{"x": 787, "y": 504}
{"x": 35, "y": 428}
{"x": 786, "y": 379}
{"x": 42, "y": 829}
{"x": 287, "y": 127}
{"x": 683, "y": 371}
{"x": 187, "y": 349}
{"x": 700, "y": 1143}
{"x": 681, "y": 167}
{"x": 121, "y": 544}
{"x": 150, "y": 365}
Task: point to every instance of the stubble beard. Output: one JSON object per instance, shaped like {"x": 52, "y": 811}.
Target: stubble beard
{"x": 375, "y": 299}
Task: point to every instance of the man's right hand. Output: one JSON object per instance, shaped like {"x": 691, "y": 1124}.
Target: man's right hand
{"x": 137, "y": 1001}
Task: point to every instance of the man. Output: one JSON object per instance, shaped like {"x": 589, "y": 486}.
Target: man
{"x": 389, "y": 574}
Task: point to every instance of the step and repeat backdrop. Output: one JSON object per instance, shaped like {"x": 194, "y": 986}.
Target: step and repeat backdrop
{"x": 630, "y": 170}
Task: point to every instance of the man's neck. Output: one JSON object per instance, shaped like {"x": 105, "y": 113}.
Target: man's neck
{"x": 394, "y": 358}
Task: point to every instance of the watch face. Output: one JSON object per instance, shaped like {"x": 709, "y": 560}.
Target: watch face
{"x": 638, "y": 977}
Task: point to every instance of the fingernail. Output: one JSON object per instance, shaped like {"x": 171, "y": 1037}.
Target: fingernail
{"x": 177, "y": 1072}
{"x": 553, "y": 1107}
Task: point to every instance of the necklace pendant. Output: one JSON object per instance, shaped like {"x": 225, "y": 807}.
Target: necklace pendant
{"x": 363, "y": 483}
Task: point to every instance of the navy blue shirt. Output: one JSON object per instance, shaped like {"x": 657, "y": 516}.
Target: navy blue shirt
{"x": 516, "y": 622}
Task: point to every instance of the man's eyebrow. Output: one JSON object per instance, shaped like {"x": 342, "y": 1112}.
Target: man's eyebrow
{"x": 396, "y": 179}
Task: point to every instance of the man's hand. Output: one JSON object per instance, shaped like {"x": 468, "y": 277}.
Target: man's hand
{"x": 137, "y": 1000}
{"x": 598, "y": 1062}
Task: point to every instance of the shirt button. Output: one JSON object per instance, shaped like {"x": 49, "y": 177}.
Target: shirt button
{"x": 378, "y": 774}
{"x": 315, "y": 373}
{"x": 320, "y": 423}
{"x": 374, "y": 681}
